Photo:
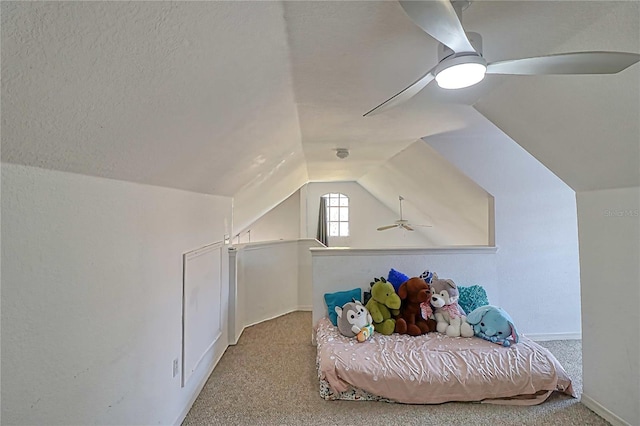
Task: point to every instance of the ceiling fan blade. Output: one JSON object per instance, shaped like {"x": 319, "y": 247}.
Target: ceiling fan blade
{"x": 567, "y": 63}
{"x": 384, "y": 228}
{"x": 439, "y": 19}
{"x": 407, "y": 227}
{"x": 423, "y": 226}
{"x": 403, "y": 95}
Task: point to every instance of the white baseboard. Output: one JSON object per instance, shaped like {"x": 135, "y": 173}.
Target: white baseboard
{"x": 288, "y": 311}
{"x": 235, "y": 342}
{"x": 600, "y": 410}
{"x": 194, "y": 396}
{"x": 545, "y": 337}
{"x": 306, "y": 308}
{"x": 198, "y": 389}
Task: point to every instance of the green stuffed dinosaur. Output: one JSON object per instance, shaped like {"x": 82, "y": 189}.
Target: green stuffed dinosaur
{"x": 383, "y": 304}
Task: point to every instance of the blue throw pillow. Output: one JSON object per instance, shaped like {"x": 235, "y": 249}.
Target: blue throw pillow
{"x": 339, "y": 298}
{"x": 396, "y": 278}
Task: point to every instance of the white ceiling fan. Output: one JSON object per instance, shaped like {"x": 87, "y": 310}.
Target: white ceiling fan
{"x": 461, "y": 63}
{"x": 401, "y": 223}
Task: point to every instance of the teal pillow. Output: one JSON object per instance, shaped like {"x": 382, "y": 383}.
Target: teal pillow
{"x": 339, "y": 298}
{"x": 472, "y": 297}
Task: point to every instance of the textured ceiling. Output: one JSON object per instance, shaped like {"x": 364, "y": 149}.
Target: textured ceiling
{"x": 584, "y": 128}
{"x": 194, "y": 95}
{"x": 230, "y": 98}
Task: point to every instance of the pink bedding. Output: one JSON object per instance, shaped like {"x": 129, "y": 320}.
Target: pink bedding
{"x": 435, "y": 368}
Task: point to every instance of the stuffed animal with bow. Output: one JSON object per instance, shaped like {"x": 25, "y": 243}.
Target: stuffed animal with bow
{"x": 425, "y": 307}
{"x": 451, "y": 319}
{"x": 413, "y": 292}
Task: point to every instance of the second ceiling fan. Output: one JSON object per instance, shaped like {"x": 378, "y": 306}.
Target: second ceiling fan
{"x": 462, "y": 64}
{"x": 401, "y": 223}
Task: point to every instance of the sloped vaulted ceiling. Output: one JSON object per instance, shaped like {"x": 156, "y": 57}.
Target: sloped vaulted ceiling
{"x": 346, "y": 58}
{"x": 586, "y": 129}
{"x": 194, "y": 95}
{"x": 251, "y": 99}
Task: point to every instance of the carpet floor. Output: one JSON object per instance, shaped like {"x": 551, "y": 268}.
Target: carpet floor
{"x": 269, "y": 378}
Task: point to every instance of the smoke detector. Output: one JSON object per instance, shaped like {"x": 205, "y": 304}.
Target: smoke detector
{"x": 342, "y": 153}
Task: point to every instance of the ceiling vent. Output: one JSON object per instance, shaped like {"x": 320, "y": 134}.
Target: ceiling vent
{"x": 342, "y": 153}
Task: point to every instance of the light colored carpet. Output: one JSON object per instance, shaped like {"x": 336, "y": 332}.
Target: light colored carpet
{"x": 269, "y": 378}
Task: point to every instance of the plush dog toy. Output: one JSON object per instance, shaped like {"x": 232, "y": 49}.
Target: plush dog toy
{"x": 413, "y": 292}
{"x": 383, "y": 304}
{"x": 493, "y": 324}
{"x": 354, "y": 320}
{"x": 449, "y": 315}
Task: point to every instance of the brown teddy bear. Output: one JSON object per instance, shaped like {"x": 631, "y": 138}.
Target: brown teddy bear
{"x": 413, "y": 292}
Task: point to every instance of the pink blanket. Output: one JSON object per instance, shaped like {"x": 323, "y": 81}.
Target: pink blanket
{"x": 435, "y": 368}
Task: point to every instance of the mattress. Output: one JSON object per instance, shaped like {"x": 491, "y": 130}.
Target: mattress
{"x": 434, "y": 368}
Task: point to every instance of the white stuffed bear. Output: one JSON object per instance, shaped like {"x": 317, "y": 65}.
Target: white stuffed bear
{"x": 451, "y": 319}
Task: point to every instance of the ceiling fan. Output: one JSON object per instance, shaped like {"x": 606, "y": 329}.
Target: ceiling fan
{"x": 461, "y": 63}
{"x": 401, "y": 223}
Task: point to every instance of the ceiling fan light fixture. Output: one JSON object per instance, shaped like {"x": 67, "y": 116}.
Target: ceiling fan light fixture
{"x": 460, "y": 71}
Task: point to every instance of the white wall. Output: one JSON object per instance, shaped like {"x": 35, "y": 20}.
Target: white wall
{"x": 273, "y": 278}
{"x": 280, "y": 223}
{"x": 305, "y": 274}
{"x": 609, "y": 253}
{"x": 535, "y": 230}
{"x": 344, "y": 269}
{"x": 269, "y": 274}
{"x": 254, "y": 200}
{"x": 91, "y": 297}
{"x": 436, "y": 193}
{"x": 366, "y": 214}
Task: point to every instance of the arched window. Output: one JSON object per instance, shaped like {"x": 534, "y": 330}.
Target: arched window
{"x": 337, "y": 214}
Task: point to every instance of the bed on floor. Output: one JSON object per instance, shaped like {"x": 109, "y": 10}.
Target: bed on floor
{"x": 432, "y": 368}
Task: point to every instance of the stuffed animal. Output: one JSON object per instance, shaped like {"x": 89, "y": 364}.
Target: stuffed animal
{"x": 413, "y": 292}
{"x": 365, "y": 333}
{"x": 383, "y": 304}
{"x": 425, "y": 307}
{"x": 428, "y": 276}
{"x": 449, "y": 315}
{"x": 493, "y": 324}
{"x": 353, "y": 318}
{"x": 396, "y": 278}
{"x": 426, "y": 310}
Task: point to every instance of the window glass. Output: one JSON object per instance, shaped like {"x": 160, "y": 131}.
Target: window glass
{"x": 334, "y": 229}
{"x": 337, "y": 214}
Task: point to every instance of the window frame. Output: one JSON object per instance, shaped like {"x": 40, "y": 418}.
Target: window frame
{"x": 341, "y": 208}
